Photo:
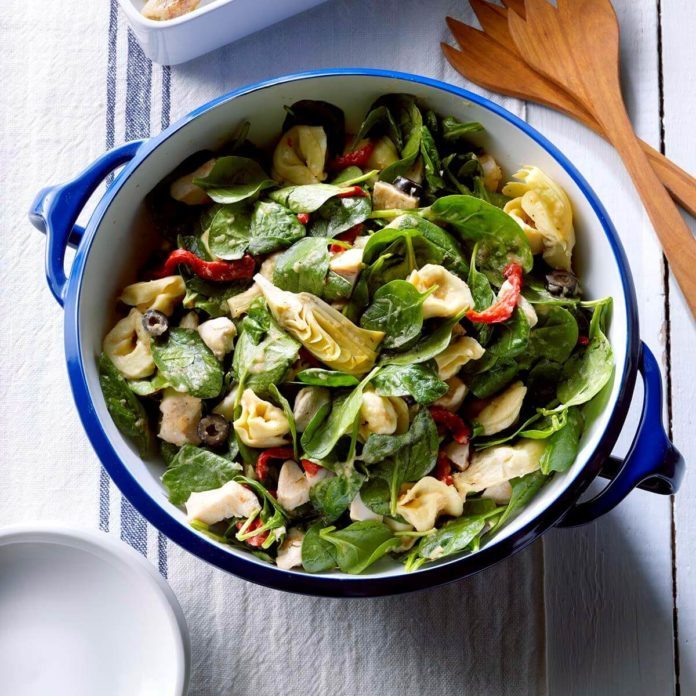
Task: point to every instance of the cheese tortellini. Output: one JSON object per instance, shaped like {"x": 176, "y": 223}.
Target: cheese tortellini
{"x": 492, "y": 466}
{"x": 459, "y": 352}
{"x": 543, "y": 207}
{"x": 128, "y": 347}
{"x": 425, "y": 501}
{"x": 503, "y": 410}
{"x": 162, "y": 294}
{"x": 322, "y": 330}
{"x": 451, "y": 296}
{"x": 300, "y": 156}
{"x": 260, "y": 424}
{"x": 383, "y": 415}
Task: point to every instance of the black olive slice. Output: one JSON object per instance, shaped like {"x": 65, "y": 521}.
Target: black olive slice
{"x": 213, "y": 430}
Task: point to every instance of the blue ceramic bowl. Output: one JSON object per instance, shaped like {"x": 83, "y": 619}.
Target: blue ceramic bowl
{"x": 117, "y": 239}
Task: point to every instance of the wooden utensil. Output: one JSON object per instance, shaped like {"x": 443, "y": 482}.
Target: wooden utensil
{"x": 490, "y": 59}
{"x": 576, "y": 44}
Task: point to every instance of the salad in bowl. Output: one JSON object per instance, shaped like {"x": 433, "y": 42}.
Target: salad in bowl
{"x": 353, "y": 345}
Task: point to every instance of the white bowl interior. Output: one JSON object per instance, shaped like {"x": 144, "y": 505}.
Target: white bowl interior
{"x": 120, "y": 244}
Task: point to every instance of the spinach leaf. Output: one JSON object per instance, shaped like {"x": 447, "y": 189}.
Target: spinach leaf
{"x": 264, "y": 352}
{"x": 396, "y": 310}
{"x": 287, "y": 410}
{"x": 453, "y": 129}
{"x": 360, "y": 297}
{"x": 124, "y": 406}
{"x": 167, "y": 451}
{"x": 483, "y": 296}
{"x": 318, "y": 444}
{"x": 306, "y": 198}
{"x": 461, "y": 171}
{"x": 272, "y": 514}
{"x": 303, "y": 267}
{"x": 211, "y": 298}
{"x": 563, "y": 444}
{"x": 556, "y": 334}
{"x": 193, "y": 470}
{"x": 338, "y": 215}
{"x": 535, "y": 427}
{"x": 379, "y": 121}
{"x": 535, "y": 293}
{"x": 186, "y": 363}
{"x": 452, "y": 537}
{"x": 513, "y": 337}
{"x": 419, "y": 381}
{"x": 311, "y": 112}
{"x": 273, "y": 227}
{"x": 318, "y": 377}
{"x": 234, "y": 179}
{"x": 431, "y": 161}
{"x": 318, "y": 555}
{"x": 360, "y": 544}
{"x": 376, "y": 494}
{"x": 524, "y": 488}
{"x": 492, "y": 381}
{"x": 409, "y": 121}
{"x": 542, "y": 381}
{"x": 146, "y": 387}
{"x": 586, "y": 372}
{"x": 430, "y": 346}
{"x": 336, "y": 287}
{"x": 333, "y": 496}
{"x": 228, "y": 234}
{"x": 500, "y": 239}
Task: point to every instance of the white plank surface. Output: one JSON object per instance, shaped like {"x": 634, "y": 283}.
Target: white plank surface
{"x": 590, "y": 611}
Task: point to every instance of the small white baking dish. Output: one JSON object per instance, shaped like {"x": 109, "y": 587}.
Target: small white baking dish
{"x": 214, "y": 24}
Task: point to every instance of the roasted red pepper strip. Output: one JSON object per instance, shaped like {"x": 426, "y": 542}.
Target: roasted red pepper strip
{"x": 584, "y": 340}
{"x": 221, "y": 271}
{"x": 348, "y": 236}
{"x": 267, "y": 455}
{"x": 303, "y": 218}
{"x": 259, "y": 538}
{"x": 352, "y": 192}
{"x": 357, "y": 158}
{"x": 311, "y": 469}
{"x": 504, "y": 306}
{"x": 443, "y": 469}
{"x": 459, "y": 430}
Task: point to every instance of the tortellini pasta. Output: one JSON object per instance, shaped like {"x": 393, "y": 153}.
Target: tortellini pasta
{"x": 425, "y": 501}
{"x": 322, "y": 330}
{"x": 503, "y": 410}
{"x": 300, "y": 156}
{"x": 162, "y": 294}
{"x": 549, "y": 212}
{"x": 492, "y": 173}
{"x": 382, "y": 415}
{"x": 383, "y": 154}
{"x": 454, "y": 397}
{"x": 260, "y": 424}
{"x": 492, "y": 466}
{"x": 307, "y": 402}
{"x": 185, "y": 191}
{"x": 128, "y": 347}
{"x": 218, "y": 334}
{"x": 459, "y": 352}
{"x": 451, "y": 296}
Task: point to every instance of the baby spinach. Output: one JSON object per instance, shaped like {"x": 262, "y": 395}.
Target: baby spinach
{"x": 303, "y": 267}
{"x": 542, "y": 381}
{"x": 379, "y": 121}
{"x": 318, "y": 555}
{"x": 419, "y": 381}
{"x": 319, "y": 443}
{"x": 586, "y": 372}
{"x": 360, "y": 544}
{"x": 524, "y": 488}
{"x": 273, "y": 227}
{"x": 332, "y": 496}
{"x": 146, "y": 387}
{"x": 500, "y": 239}
{"x": 319, "y": 377}
{"x": 287, "y": 410}
{"x": 314, "y": 112}
{"x": 209, "y": 297}
{"x": 556, "y": 334}
{"x": 513, "y": 337}
{"x": 431, "y": 161}
{"x": 410, "y": 245}
{"x": 563, "y": 444}
{"x": 492, "y": 381}
{"x": 338, "y": 215}
{"x": 483, "y": 296}
{"x": 306, "y": 198}
{"x": 396, "y": 310}
{"x": 409, "y": 121}
{"x": 535, "y": 293}
{"x": 233, "y": 179}
{"x": 194, "y": 469}
{"x": 430, "y": 346}
{"x": 185, "y": 362}
{"x": 376, "y": 494}
{"x": 272, "y": 514}
{"x": 453, "y": 129}
{"x": 536, "y": 427}
{"x": 336, "y": 287}
{"x": 228, "y": 234}
{"x": 124, "y": 406}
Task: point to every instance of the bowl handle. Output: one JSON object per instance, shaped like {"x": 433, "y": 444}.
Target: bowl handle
{"x": 56, "y": 208}
{"x": 653, "y": 462}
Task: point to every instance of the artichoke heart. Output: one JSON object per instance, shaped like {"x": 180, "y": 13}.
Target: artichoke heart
{"x": 322, "y": 330}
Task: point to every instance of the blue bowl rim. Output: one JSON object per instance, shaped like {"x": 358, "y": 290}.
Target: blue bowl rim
{"x": 348, "y": 586}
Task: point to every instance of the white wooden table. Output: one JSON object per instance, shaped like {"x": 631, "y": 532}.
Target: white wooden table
{"x": 605, "y": 609}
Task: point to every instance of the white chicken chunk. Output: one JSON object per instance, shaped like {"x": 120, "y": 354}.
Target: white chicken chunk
{"x": 218, "y": 334}
{"x": 347, "y": 263}
{"x": 183, "y": 189}
{"x": 387, "y": 197}
{"x": 359, "y": 511}
{"x": 293, "y": 486}
{"x": 161, "y": 10}
{"x": 290, "y": 551}
{"x": 181, "y": 414}
{"x": 230, "y": 500}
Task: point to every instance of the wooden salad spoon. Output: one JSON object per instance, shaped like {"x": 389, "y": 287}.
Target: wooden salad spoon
{"x": 490, "y": 59}
{"x": 576, "y": 44}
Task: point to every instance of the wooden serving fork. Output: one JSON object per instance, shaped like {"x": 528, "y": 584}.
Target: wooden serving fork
{"x": 490, "y": 59}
